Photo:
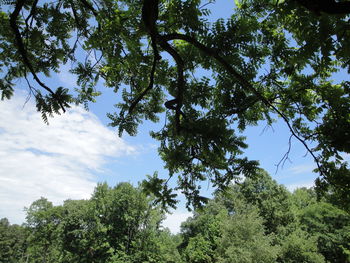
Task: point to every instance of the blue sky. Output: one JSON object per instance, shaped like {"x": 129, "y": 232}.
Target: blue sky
{"x": 67, "y": 158}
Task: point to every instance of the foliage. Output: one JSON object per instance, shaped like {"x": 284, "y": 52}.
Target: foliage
{"x": 299, "y": 247}
{"x": 244, "y": 239}
{"x": 270, "y": 59}
{"x": 118, "y": 224}
{"x": 331, "y": 227}
{"x": 272, "y": 199}
{"x": 12, "y": 242}
{"x": 43, "y": 220}
{"x": 122, "y": 224}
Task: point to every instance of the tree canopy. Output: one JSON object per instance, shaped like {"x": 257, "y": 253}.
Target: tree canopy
{"x": 270, "y": 60}
{"x": 123, "y": 224}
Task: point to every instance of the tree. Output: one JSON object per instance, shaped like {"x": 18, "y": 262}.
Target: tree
{"x": 83, "y": 237}
{"x": 280, "y": 213}
{"x": 122, "y": 224}
{"x": 330, "y": 225}
{"x": 201, "y": 233}
{"x": 119, "y": 224}
{"x": 269, "y": 60}
{"x": 244, "y": 239}
{"x": 12, "y": 242}
{"x": 299, "y": 246}
{"x": 131, "y": 222}
{"x": 272, "y": 200}
{"x": 42, "y": 223}
{"x": 227, "y": 229}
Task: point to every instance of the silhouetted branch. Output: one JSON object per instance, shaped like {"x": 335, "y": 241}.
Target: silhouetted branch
{"x": 89, "y": 6}
{"x": 146, "y": 90}
{"x": 180, "y": 80}
{"x": 330, "y": 7}
{"x": 245, "y": 83}
{"x": 20, "y": 45}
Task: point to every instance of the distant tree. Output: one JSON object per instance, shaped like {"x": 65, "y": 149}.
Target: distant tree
{"x": 269, "y": 60}
{"x": 227, "y": 230}
{"x": 42, "y": 222}
{"x": 12, "y": 242}
{"x": 131, "y": 221}
{"x": 331, "y": 226}
{"x": 302, "y": 198}
{"x": 280, "y": 213}
{"x": 166, "y": 247}
{"x": 272, "y": 200}
{"x": 299, "y": 246}
{"x": 244, "y": 239}
{"x": 201, "y": 232}
{"x": 119, "y": 224}
{"x": 83, "y": 237}
{"x": 252, "y": 221}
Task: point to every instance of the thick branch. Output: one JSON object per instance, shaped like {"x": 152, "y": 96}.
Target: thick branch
{"x": 180, "y": 79}
{"x": 23, "y": 51}
{"x": 214, "y": 54}
{"x": 326, "y": 6}
{"x": 150, "y": 12}
{"x": 149, "y": 17}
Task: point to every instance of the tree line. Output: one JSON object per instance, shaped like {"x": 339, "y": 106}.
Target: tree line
{"x": 256, "y": 220}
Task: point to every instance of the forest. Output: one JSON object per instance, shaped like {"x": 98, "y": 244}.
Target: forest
{"x": 207, "y": 79}
{"x": 257, "y": 220}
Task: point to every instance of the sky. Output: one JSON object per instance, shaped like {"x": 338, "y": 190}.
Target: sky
{"x": 68, "y": 157}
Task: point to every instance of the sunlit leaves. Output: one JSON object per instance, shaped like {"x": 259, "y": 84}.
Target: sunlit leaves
{"x": 284, "y": 57}
{"x": 51, "y": 104}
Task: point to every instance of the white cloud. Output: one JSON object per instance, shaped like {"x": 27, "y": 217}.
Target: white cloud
{"x": 294, "y": 186}
{"x": 67, "y": 78}
{"x": 56, "y": 161}
{"x": 303, "y": 176}
{"x": 173, "y": 221}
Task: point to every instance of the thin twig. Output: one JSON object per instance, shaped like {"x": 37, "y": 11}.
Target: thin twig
{"x": 32, "y": 12}
{"x": 286, "y": 155}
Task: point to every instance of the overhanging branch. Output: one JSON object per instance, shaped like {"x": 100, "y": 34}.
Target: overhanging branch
{"x": 89, "y": 7}
{"x": 330, "y": 7}
{"x": 180, "y": 80}
{"x": 146, "y": 90}
{"x": 245, "y": 83}
{"x": 20, "y": 45}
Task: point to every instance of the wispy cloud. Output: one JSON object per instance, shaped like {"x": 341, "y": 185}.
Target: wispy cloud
{"x": 56, "y": 161}
{"x": 68, "y": 79}
{"x": 303, "y": 168}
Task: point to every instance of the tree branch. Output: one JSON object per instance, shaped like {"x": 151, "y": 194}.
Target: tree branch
{"x": 180, "y": 80}
{"x": 23, "y": 51}
{"x": 89, "y": 6}
{"x": 150, "y": 12}
{"x": 32, "y": 11}
{"x": 146, "y": 90}
{"x": 149, "y": 17}
{"x": 330, "y": 7}
{"x": 214, "y": 54}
